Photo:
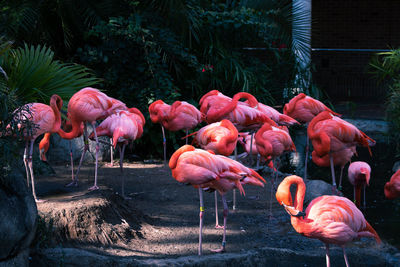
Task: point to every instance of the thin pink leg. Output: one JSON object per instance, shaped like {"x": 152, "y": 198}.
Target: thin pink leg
{"x": 272, "y": 185}
{"x": 25, "y": 159}
{"x": 328, "y": 262}
{"x": 226, "y": 211}
{"x": 72, "y": 159}
{"x": 340, "y": 179}
{"x": 216, "y": 211}
{"x": 121, "y": 166}
{"x": 332, "y": 170}
{"x": 201, "y": 220}
{"x": 164, "y": 145}
{"x": 345, "y": 257}
{"x": 187, "y": 132}
{"x": 234, "y": 190}
{"x": 95, "y": 187}
{"x": 251, "y": 148}
{"x": 31, "y": 172}
{"x": 75, "y": 179}
{"x": 111, "y": 154}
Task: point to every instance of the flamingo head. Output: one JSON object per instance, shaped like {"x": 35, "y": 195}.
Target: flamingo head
{"x": 284, "y": 196}
{"x": 367, "y": 174}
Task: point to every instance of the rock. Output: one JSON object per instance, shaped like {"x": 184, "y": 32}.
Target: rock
{"x": 59, "y": 150}
{"x": 18, "y": 219}
{"x": 396, "y": 166}
{"x": 316, "y": 188}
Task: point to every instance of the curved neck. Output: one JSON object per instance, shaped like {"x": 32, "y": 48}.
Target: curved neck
{"x": 75, "y": 131}
{"x": 232, "y": 129}
{"x": 174, "y": 158}
{"x": 289, "y": 108}
{"x": 56, "y": 105}
{"x": 252, "y": 101}
{"x": 216, "y": 115}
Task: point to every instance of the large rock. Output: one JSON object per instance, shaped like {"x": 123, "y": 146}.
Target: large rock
{"x": 18, "y": 215}
{"x": 60, "y": 149}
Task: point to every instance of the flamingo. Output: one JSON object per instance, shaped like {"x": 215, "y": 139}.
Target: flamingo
{"x": 45, "y": 119}
{"x": 245, "y": 140}
{"x": 271, "y": 142}
{"x": 86, "y": 106}
{"x": 359, "y": 173}
{"x": 205, "y": 170}
{"x": 340, "y": 158}
{"x": 392, "y": 188}
{"x": 331, "y": 219}
{"x": 276, "y": 116}
{"x": 304, "y": 108}
{"x": 221, "y": 138}
{"x": 179, "y": 116}
{"x": 123, "y": 126}
{"x": 330, "y": 133}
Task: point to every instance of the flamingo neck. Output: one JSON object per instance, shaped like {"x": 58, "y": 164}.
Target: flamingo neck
{"x": 75, "y": 131}
{"x": 289, "y": 107}
{"x": 56, "y": 104}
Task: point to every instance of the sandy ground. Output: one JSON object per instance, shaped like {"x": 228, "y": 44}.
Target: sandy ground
{"x": 161, "y": 218}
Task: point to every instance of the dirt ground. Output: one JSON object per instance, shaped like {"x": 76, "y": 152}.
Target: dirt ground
{"x": 162, "y": 217}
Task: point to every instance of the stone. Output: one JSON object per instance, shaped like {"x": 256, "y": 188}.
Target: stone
{"x": 18, "y": 219}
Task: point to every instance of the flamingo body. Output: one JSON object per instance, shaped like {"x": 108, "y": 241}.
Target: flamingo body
{"x": 392, "y": 188}
{"x": 276, "y": 116}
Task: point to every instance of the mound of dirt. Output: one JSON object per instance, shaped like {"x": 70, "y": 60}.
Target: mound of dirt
{"x": 100, "y": 218}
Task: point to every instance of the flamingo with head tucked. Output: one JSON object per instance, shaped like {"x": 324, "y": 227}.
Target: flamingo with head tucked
{"x": 331, "y": 219}
{"x": 179, "y": 116}
{"x": 203, "y": 169}
{"x": 123, "y": 127}
{"x": 221, "y": 138}
{"x": 45, "y": 119}
{"x": 392, "y": 188}
{"x": 330, "y": 133}
{"x": 304, "y": 108}
{"x": 87, "y": 106}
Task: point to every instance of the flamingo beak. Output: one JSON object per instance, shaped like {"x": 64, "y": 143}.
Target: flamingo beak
{"x": 292, "y": 211}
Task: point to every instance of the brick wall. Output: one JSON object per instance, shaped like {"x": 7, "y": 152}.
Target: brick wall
{"x": 363, "y": 24}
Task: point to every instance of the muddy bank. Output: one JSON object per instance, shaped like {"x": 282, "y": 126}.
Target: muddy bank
{"x": 159, "y": 225}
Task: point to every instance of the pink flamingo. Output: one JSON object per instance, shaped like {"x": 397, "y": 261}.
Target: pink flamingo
{"x": 89, "y": 105}
{"x": 304, "y": 108}
{"x": 123, "y": 126}
{"x": 45, "y": 119}
{"x": 271, "y": 142}
{"x": 359, "y": 173}
{"x": 276, "y": 116}
{"x": 331, "y": 219}
{"x": 330, "y": 133}
{"x": 179, "y": 116}
{"x": 339, "y": 158}
{"x": 205, "y": 170}
{"x": 392, "y": 188}
{"x": 220, "y": 138}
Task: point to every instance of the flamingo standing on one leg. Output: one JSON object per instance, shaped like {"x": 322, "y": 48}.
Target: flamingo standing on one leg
{"x": 123, "y": 126}
{"x": 304, "y": 108}
{"x": 271, "y": 142}
{"x": 203, "y": 169}
{"x": 359, "y": 173}
{"x": 45, "y": 119}
{"x": 331, "y": 219}
{"x": 179, "y": 116}
{"x": 392, "y": 188}
{"x": 221, "y": 138}
{"x": 89, "y": 105}
{"x": 341, "y": 158}
{"x": 330, "y": 133}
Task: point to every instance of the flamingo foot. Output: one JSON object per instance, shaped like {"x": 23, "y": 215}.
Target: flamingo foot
{"x": 40, "y": 200}
{"x": 253, "y": 197}
{"x": 109, "y": 164}
{"x": 126, "y": 198}
{"x": 220, "y": 250}
{"x": 93, "y": 188}
{"x": 73, "y": 183}
{"x": 335, "y": 191}
{"x": 340, "y": 188}
{"x": 217, "y": 226}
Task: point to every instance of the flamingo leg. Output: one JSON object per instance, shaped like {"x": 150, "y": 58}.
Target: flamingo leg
{"x": 258, "y": 161}
{"x": 332, "y": 170}
{"x": 121, "y": 166}
{"x": 111, "y": 154}
{"x": 365, "y": 203}
{"x": 187, "y": 132}
{"x": 75, "y": 179}
{"x": 25, "y": 159}
{"x": 31, "y": 171}
{"x": 216, "y": 211}
{"x": 345, "y": 257}
{"x": 201, "y": 220}
{"x": 275, "y": 176}
{"x": 306, "y": 158}
{"x": 354, "y": 194}
{"x": 164, "y": 145}
{"x": 226, "y": 211}
{"x": 234, "y": 190}
{"x": 251, "y": 149}
{"x": 328, "y": 262}
{"x": 72, "y": 159}
{"x": 340, "y": 179}
{"x": 95, "y": 187}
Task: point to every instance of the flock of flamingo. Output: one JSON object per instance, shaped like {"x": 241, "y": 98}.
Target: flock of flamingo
{"x": 260, "y": 129}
